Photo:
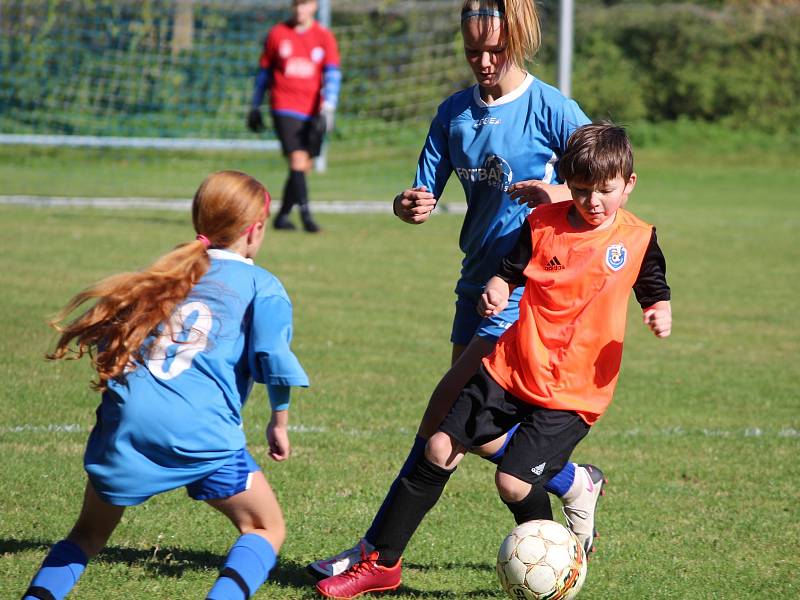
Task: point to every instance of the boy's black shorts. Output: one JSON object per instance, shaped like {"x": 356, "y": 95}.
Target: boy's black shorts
{"x": 296, "y": 134}
{"x": 540, "y": 447}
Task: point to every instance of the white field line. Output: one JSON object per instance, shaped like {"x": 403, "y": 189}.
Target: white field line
{"x": 91, "y": 141}
{"x": 329, "y": 207}
{"x": 675, "y": 431}
{"x": 45, "y": 429}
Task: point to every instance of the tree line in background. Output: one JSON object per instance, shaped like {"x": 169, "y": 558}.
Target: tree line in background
{"x": 177, "y": 67}
{"x": 734, "y": 62}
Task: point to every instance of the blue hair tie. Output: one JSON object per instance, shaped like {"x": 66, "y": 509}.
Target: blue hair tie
{"x": 483, "y": 12}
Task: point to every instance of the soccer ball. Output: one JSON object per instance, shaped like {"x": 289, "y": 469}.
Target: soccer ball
{"x": 541, "y": 560}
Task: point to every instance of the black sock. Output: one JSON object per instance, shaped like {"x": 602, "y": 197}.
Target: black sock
{"x": 416, "y": 494}
{"x": 300, "y": 191}
{"x": 288, "y": 199}
{"x": 536, "y": 505}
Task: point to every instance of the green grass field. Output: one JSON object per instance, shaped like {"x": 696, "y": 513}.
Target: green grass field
{"x": 701, "y": 443}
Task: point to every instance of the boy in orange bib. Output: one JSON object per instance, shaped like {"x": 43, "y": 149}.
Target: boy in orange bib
{"x": 554, "y": 370}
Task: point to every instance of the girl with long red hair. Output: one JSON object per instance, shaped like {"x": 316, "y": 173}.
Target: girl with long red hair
{"x": 177, "y": 348}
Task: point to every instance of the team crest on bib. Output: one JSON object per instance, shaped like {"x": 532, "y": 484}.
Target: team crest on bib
{"x": 616, "y": 255}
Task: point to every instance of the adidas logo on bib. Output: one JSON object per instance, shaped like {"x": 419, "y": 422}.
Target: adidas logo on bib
{"x": 554, "y": 265}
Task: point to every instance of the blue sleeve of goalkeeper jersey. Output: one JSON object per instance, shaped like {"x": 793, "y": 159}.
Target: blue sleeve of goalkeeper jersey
{"x": 271, "y": 336}
{"x": 331, "y": 84}
{"x": 434, "y": 166}
{"x": 263, "y": 81}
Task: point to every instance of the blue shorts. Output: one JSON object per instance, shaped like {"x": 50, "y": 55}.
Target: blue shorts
{"x": 467, "y": 323}
{"x": 233, "y": 477}
{"x": 230, "y": 479}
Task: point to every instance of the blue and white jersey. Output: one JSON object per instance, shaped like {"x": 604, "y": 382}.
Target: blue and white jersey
{"x": 177, "y": 417}
{"x": 518, "y": 137}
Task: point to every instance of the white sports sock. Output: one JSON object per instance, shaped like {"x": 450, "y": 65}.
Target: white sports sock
{"x": 577, "y": 487}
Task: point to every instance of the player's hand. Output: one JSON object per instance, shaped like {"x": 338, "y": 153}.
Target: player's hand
{"x": 659, "y": 318}
{"x": 278, "y": 436}
{"x": 532, "y": 192}
{"x": 414, "y": 205}
{"x": 328, "y": 113}
{"x": 494, "y": 299}
{"x": 255, "y": 122}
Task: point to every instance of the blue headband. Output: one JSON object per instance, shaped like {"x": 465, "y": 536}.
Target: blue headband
{"x": 483, "y": 12}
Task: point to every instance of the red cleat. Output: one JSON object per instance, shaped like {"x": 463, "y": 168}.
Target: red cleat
{"x": 364, "y": 576}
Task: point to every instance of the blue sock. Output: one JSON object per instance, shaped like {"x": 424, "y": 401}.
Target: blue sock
{"x": 247, "y": 566}
{"x": 60, "y": 571}
{"x": 417, "y": 452}
{"x": 561, "y": 481}
{"x": 495, "y": 458}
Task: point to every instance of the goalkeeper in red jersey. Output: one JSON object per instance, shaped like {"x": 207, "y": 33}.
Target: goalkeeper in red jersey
{"x": 300, "y": 66}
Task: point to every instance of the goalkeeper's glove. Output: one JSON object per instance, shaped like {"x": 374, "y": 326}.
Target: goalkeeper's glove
{"x": 327, "y": 112}
{"x": 255, "y": 121}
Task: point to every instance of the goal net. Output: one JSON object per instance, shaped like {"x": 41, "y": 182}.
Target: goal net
{"x": 180, "y": 73}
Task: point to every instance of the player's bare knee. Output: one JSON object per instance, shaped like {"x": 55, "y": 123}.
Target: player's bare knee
{"x": 511, "y": 489}
{"x": 300, "y": 161}
{"x": 443, "y": 451}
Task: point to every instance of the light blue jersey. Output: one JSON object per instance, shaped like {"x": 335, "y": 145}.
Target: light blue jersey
{"x": 177, "y": 417}
{"x": 518, "y": 137}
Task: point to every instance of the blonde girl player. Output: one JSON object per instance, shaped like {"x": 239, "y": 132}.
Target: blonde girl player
{"x": 177, "y": 348}
{"x": 502, "y": 138}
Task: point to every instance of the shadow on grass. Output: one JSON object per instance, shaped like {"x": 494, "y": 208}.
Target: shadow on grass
{"x": 165, "y": 561}
{"x": 158, "y": 560}
{"x": 441, "y": 567}
{"x": 295, "y": 575}
{"x": 404, "y": 591}
{"x": 170, "y": 562}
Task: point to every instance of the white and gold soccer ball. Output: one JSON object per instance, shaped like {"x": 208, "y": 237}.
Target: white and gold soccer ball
{"x": 541, "y": 560}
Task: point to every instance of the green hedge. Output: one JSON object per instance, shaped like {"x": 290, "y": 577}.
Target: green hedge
{"x": 737, "y": 67}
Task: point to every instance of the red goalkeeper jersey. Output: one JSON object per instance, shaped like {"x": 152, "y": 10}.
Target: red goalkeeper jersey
{"x": 296, "y": 60}
{"x": 565, "y": 350}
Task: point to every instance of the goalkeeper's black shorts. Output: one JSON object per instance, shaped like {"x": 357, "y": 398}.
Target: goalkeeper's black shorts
{"x": 297, "y": 134}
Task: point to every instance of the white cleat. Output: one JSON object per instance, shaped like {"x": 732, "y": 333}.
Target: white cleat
{"x": 336, "y": 565}
{"x": 581, "y": 511}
